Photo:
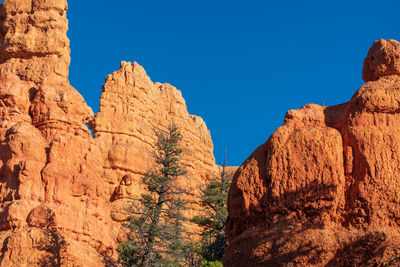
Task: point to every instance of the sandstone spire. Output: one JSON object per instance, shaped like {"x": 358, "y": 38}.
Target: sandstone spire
{"x": 33, "y": 38}
{"x": 63, "y": 191}
{"x": 34, "y": 57}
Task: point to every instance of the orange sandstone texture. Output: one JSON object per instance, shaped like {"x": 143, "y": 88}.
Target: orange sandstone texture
{"x": 324, "y": 190}
{"x": 382, "y": 60}
{"x": 62, "y": 190}
{"x": 132, "y": 110}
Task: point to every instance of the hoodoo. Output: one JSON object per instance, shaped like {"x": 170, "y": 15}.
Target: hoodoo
{"x": 324, "y": 190}
{"x": 62, "y": 190}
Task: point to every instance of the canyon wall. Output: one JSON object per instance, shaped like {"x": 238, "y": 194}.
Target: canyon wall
{"x": 324, "y": 190}
{"x": 62, "y": 189}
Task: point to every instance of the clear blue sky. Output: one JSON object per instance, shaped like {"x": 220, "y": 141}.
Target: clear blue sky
{"x": 239, "y": 64}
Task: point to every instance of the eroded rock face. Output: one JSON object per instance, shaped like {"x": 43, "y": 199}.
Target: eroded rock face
{"x": 62, "y": 191}
{"x": 139, "y": 109}
{"x": 383, "y": 59}
{"x": 324, "y": 189}
{"x": 34, "y": 44}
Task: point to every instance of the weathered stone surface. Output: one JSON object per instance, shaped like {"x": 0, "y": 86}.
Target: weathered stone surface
{"x": 324, "y": 189}
{"x": 33, "y": 39}
{"x": 62, "y": 190}
{"x": 383, "y": 59}
{"x": 139, "y": 109}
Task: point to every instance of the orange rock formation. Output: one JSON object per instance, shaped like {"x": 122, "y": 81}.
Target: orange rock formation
{"x": 324, "y": 190}
{"x": 62, "y": 190}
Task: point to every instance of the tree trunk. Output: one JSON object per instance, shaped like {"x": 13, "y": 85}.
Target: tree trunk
{"x": 149, "y": 250}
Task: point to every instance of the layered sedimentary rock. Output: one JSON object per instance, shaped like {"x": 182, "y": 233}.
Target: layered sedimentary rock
{"x": 133, "y": 110}
{"x": 62, "y": 190}
{"x": 324, "y": 190}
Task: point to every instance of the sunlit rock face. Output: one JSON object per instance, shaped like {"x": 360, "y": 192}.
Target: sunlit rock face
{"x": 132, "y": 110}
{"x": 324, "y": 190}
{"x": 62, "y": 189}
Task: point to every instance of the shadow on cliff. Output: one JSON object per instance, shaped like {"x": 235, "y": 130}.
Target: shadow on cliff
{"x": 364, "y": 251}
{"x": 289, "y": 220}
{"x": 274, "y": 247}
{"x": 4, "y": 249}
{"x": 9, "y": 174}
{"x": 55, "y": 247}
{"x": 108, "y": 261}
{"x": 296, "y": 231}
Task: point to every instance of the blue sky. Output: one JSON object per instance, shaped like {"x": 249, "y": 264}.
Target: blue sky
{"x": 239, "y": 64}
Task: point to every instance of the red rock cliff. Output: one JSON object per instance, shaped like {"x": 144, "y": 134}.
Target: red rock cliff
{"x": 62, "y": 191}
{"x": 324, "y": 190}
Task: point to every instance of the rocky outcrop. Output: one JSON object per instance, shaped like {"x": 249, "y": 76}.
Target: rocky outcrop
{"x": 382, "y": 60}
{"x": 324, "y": 189}
{"x": 62, "y": 190}
{"x": 139, "y": 109}
{"x": 34, "y": 43}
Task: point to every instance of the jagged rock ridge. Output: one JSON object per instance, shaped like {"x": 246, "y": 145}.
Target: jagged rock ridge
{"x": 324, "y": 189}
{"x": 62, "y": 191}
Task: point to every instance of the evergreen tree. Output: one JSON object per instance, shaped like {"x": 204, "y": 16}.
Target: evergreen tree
{"x": 156, "y": 222}
{"x": 213, "y": 200}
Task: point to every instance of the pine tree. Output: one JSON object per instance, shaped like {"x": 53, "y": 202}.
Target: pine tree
{"x": 177, "y": 245}
{"x": 213, "y": 200}
{"x": 157, "y": 236}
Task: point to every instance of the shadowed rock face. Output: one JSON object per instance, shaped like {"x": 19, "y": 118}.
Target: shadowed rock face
{"x": 324, "y": 190}
{"x": 62, "y": 190}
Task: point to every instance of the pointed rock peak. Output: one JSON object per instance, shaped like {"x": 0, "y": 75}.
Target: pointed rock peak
{"x": 131, "y": 74}
{"x": 383, "y": 59}
{"x": 135, "y": 69}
